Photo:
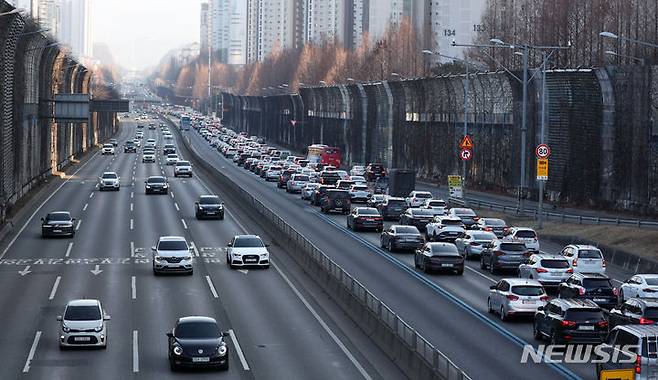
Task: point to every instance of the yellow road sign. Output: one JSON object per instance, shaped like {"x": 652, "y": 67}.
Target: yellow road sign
{"x": 454, "y": 181}
{"x": 617, "y": 374}
{"x": 542, "y": 169}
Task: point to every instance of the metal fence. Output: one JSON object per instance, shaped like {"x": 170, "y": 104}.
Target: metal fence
{"x": 417, "y": 357}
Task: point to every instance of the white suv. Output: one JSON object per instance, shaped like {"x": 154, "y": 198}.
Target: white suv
{"x": 109, "y": 180}
{"x": 245, "y": 250}
{"x": 107, "y": 149}
{"x": 183, "y": 168}
{"x": 418, "y": 198}
{"x": 172, "y": 254}
{"x": 83, "y": 324}
{"x": 584, "y": 258}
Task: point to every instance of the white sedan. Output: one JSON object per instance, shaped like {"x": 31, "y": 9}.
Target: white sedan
{"x": 171, "y": 159}
{"x": 641, "y": 286}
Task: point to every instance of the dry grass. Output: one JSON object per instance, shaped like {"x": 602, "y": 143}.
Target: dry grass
{"x": 643, "y": 242}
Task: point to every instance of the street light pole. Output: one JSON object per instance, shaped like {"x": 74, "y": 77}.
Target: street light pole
{"x": 524, "y": 130}
{"x": 542, "y": 138}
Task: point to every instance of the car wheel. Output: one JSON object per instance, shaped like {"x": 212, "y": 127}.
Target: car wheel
{"x": 155, "y": 272}
{"x": 482, "y": 264}
{"x": 503, "y": 314}
{"x": 390, "y": 246}
{"x": 492, "y": 268}
{"x": 460, "y": 272}
{"x": 196, "y": 215}
{"x": 425, "y": 269}
{"x": 173, "y": 366}
{"x": 221, "y": 217}
{"x": 535, "y": 331}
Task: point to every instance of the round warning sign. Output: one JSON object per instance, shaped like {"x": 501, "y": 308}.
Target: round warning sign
{"x": 466, "y": 154}
{"x": 543, "y": 151}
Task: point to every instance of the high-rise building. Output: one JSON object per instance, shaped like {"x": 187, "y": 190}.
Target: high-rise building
{"x": 76, "y": 26}
{"x": 252, "y": 30}
{"x": 457, "y": 20}
{"x": 48, "y": 15}
{"x": 238, "y": 36}
{"x": 218, "y": 25}
{"x": 324, "y": 20}
{"x": 203, "y": 27}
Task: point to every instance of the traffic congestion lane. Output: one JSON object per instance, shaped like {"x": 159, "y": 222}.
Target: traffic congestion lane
{"x": 406, "y": 292}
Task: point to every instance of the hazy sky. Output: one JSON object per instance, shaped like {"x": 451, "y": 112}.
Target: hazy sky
{"x": 140, "y": 32}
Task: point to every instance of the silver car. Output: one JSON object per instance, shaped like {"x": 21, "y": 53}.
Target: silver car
{"x": 148, "y": 156}
{"x": 308, "y": 190}
{"x": 473, "y": 242}
{"x": 549, "y": 270}
{"x": 109, "y": 180}
{"x": 515, "y": 297}
{"x": 296, "y": 183}
{"x": 172, "y": 254}
{"x": 83, "y": 324}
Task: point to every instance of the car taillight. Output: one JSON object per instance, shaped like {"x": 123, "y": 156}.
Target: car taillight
{"x": 570, "y": 270}
{"x": 566, "y": 323}
{"x": 488, "y": 229}
{"x": 575, "y": 262}
{"x": 638, "y": 364}
{"x": 476, "y": 218}
{"x": 603, "y": 263}
{"x": 378, "y": 219}
{"x": 602, "y": 324}
{"x": 581, "y": 291}
{"x": 544, "y": 298}
{"x": 541, "y": 270}
{"x": 499, "y": 253}
{"x": 645, "y": 321}
{"x": 512, "y": 297}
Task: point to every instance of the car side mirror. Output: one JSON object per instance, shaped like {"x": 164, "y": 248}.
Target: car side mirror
{"x": 540, "y": 308}
{"x": 43, "y": 220}
{"x": 170, "y": 335}
{"x": 229, "y": 244}
{"x": 268, "y": 245}
{"x": 492, "y": 287}
{"x": 153, "y": 248}
{"x": 59, "y": 318}
{"x": 225, "y": 334}
{"x": 107, "y": 318}
{"x": 73, "y": 219}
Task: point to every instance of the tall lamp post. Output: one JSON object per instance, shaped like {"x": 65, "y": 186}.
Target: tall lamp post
{"x": 615, "y": 54}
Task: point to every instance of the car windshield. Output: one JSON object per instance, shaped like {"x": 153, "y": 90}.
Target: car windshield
{"x": 83, "y": 313}
{"x": 512, "y": 247}
{"x": 109, "y": 176}
{"x": 451, "y": 222}
{"x": 302, "y": 178}
{"x": 172, "y": 156}
{"x": 421, "y": 212}
{"x": 464, "y": 212}
{"x": 338, "y": 194}
{"x": 526, "y": 234}
{"x": 596, "y": 283}
{"x": 527, "y": 290}
{"x": 107, "y": 146}
{"x": 156, "y": 180}
{"x": 423, "y": 195}
{"x": 483, "y": 236}
{"x": 183, "y": 163}
{"x": 436, "y": 203}
{"x": 368, "y": 211}
{"x": 59, "y": 217}
{"x": 407, "y": 230}
{"x": 495, "y": 222}
{"x": 248, "y": 242}
{"x": 589, "y": 254}
{"x": 396, "y": 202}
{"x": 360, "y": 188}
{"x": 554, "y": 263}
{"x": 172, "y": 245}
{"x": 197, "y": 330}
{"x": 581, "y": 315}
{"x": 445, "y": 250}
{"x": 209, "y": 200}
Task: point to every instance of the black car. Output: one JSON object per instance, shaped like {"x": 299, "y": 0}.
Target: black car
{"x": 130, "y": 147}
{"x": 418, "y": 217}
{"x": 57, "y": 223}
{"x": 319, "y": 193}
{"x": 209, "y": 206}
{"x": 374, "y": 171}
{"x": 335, "y": 199}
{"x": 439, "y": 256}
{"x": 329, "y": 177}
{"x": 156, "y": 184}
{"x": 168, "y": 149}
{"x": 363, "y": 218}
{"x": 570, "y": 321}
{"x": 635, "y": 311}
{"x": 592, "y": 286}
{"x": 392, "y": 208}
{"x": 197, "y": 342}
{"x": 401, "y": 237}
{"x": 282, "y": 183}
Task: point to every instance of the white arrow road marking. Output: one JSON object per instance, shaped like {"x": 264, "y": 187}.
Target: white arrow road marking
{"x": 55, "y": 286}
{"x": 68, "y": 250}
{"x": 243, "y": 271}
{"x": 238, "y": 349}
{"x": 96, "y": 270}
{"x": 33, "y": 350}
{"x": 25, "y": 271}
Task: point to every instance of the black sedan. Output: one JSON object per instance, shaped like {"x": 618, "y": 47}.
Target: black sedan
{"x": 365, "y": 217}
{"x": 197, "y": 342}
{"x": 209, "y": 206}
{"x": 418, "y": 217}
{"x": 156, "y": 184}
{"x": 401, "y": 237}
{"x": 439, "y": 257}
{"x": 57, "y": 223}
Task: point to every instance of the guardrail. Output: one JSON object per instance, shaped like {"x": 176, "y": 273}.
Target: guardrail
{"x": 556, "y": 216}
{"x": 413, "y": 354}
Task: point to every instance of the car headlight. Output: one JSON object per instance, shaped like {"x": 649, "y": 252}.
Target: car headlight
{"x": 188, "y": 258}
{"x": 264, "y": 255}
{"x": 157, "y": 258}
{"x": 237, "y": 255}
{"x": 165, "y": 185}
{"x": 148, "y": 186}
{"x": 178, "y": 351}
{"x": 98, "y": 328}
{"x": 200, "y": 207}
{"x": 65, "y": 328}
{"x": 222, "y": 350}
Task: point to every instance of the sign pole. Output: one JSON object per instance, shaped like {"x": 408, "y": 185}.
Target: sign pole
{"x": 540, "y": 222}
{"x": 466, "y": 85}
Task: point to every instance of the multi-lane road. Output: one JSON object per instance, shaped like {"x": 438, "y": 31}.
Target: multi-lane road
{"x": 450, "y": 311}
{"x": 281, "y": 326}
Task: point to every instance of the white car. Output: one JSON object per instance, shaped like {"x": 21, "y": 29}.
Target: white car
{"x": 273, "y": 173}
{"x": 171, "y": 159}
{"x": 107, "y": 149}
{"x": 584, "y": 258}
{"x": 524, "y": 234}
{"x": 515, "y": 297}
{"x": 549, "y": 270}
{"x": 640, "y": 286}
{"x": 308, "y": 190}
{"x": 418, "y": 198}
{"x": 172, "y": 254}
{"x": 83, "y": 324}
{"x": 445, "y": 228}
{"x": 139, "y": 135}
{"x": 358, "y": 170}
{"x": 148, "y": 156}
{"x": 437, "y": 206}
{"x": 358, "y": 179}
{"x": 109, "y": 180}
{"x": 359, "y": 193}
{"x": 167, "y": 136}
{"x": 182, "y": 168}
{"x": 246, "y": 250}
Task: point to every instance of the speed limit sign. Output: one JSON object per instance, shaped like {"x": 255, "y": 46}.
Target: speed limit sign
{"x": 543, "y": 151}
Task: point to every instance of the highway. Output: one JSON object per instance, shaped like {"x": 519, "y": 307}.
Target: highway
{"x": 281, "y": 326}
{"x": 450, "y": 311}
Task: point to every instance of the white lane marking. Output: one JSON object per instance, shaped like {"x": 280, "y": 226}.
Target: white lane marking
{"x": 91, "y": 195}
{"x": 172, "y": 193}
{"x": 33, "y": 350}
{"x": 324, "y": 325}
{"x": 184, "y": 224}
{"x": 131, "y": 206}
{"x": 77, "y": 227}
{"x": 68, "y": 250}
{"x": 238, "y": 349}
{"x": 29, "y": 220}
{"x": 176, "y": 205}
{"x": 133, "y": 285}
{"x": 54, "y": 289}
{"x": 85, "y": 208}
{"x": 132, "y": 249}
{"x": 132, "y": 224}
{"x": 212, "y": 287}
{"x": 132, "y": 194}
{"x": 481, "y": 274}
{"x": 135, "y": 351}
{"x": 196, "y": 251}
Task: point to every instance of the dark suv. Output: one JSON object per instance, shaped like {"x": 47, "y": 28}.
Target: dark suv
{"x": 592, "y": 286}
{"x": 635, "y": 311}
{"x": 317, "y": 195}
{"x": 284, "y": 177}
{"x": 335, "y": 199}
{"x": 329, "y": 177}
{"x": 130, "y": 147}
{"x": 570, "y": 321}
{"x": 374, "y": 171}
{"x": 392, "y": 208}
{"x": 168, "y": 149}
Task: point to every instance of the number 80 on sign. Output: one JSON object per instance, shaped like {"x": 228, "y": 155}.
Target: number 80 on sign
{"x": 543, "y": 151}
